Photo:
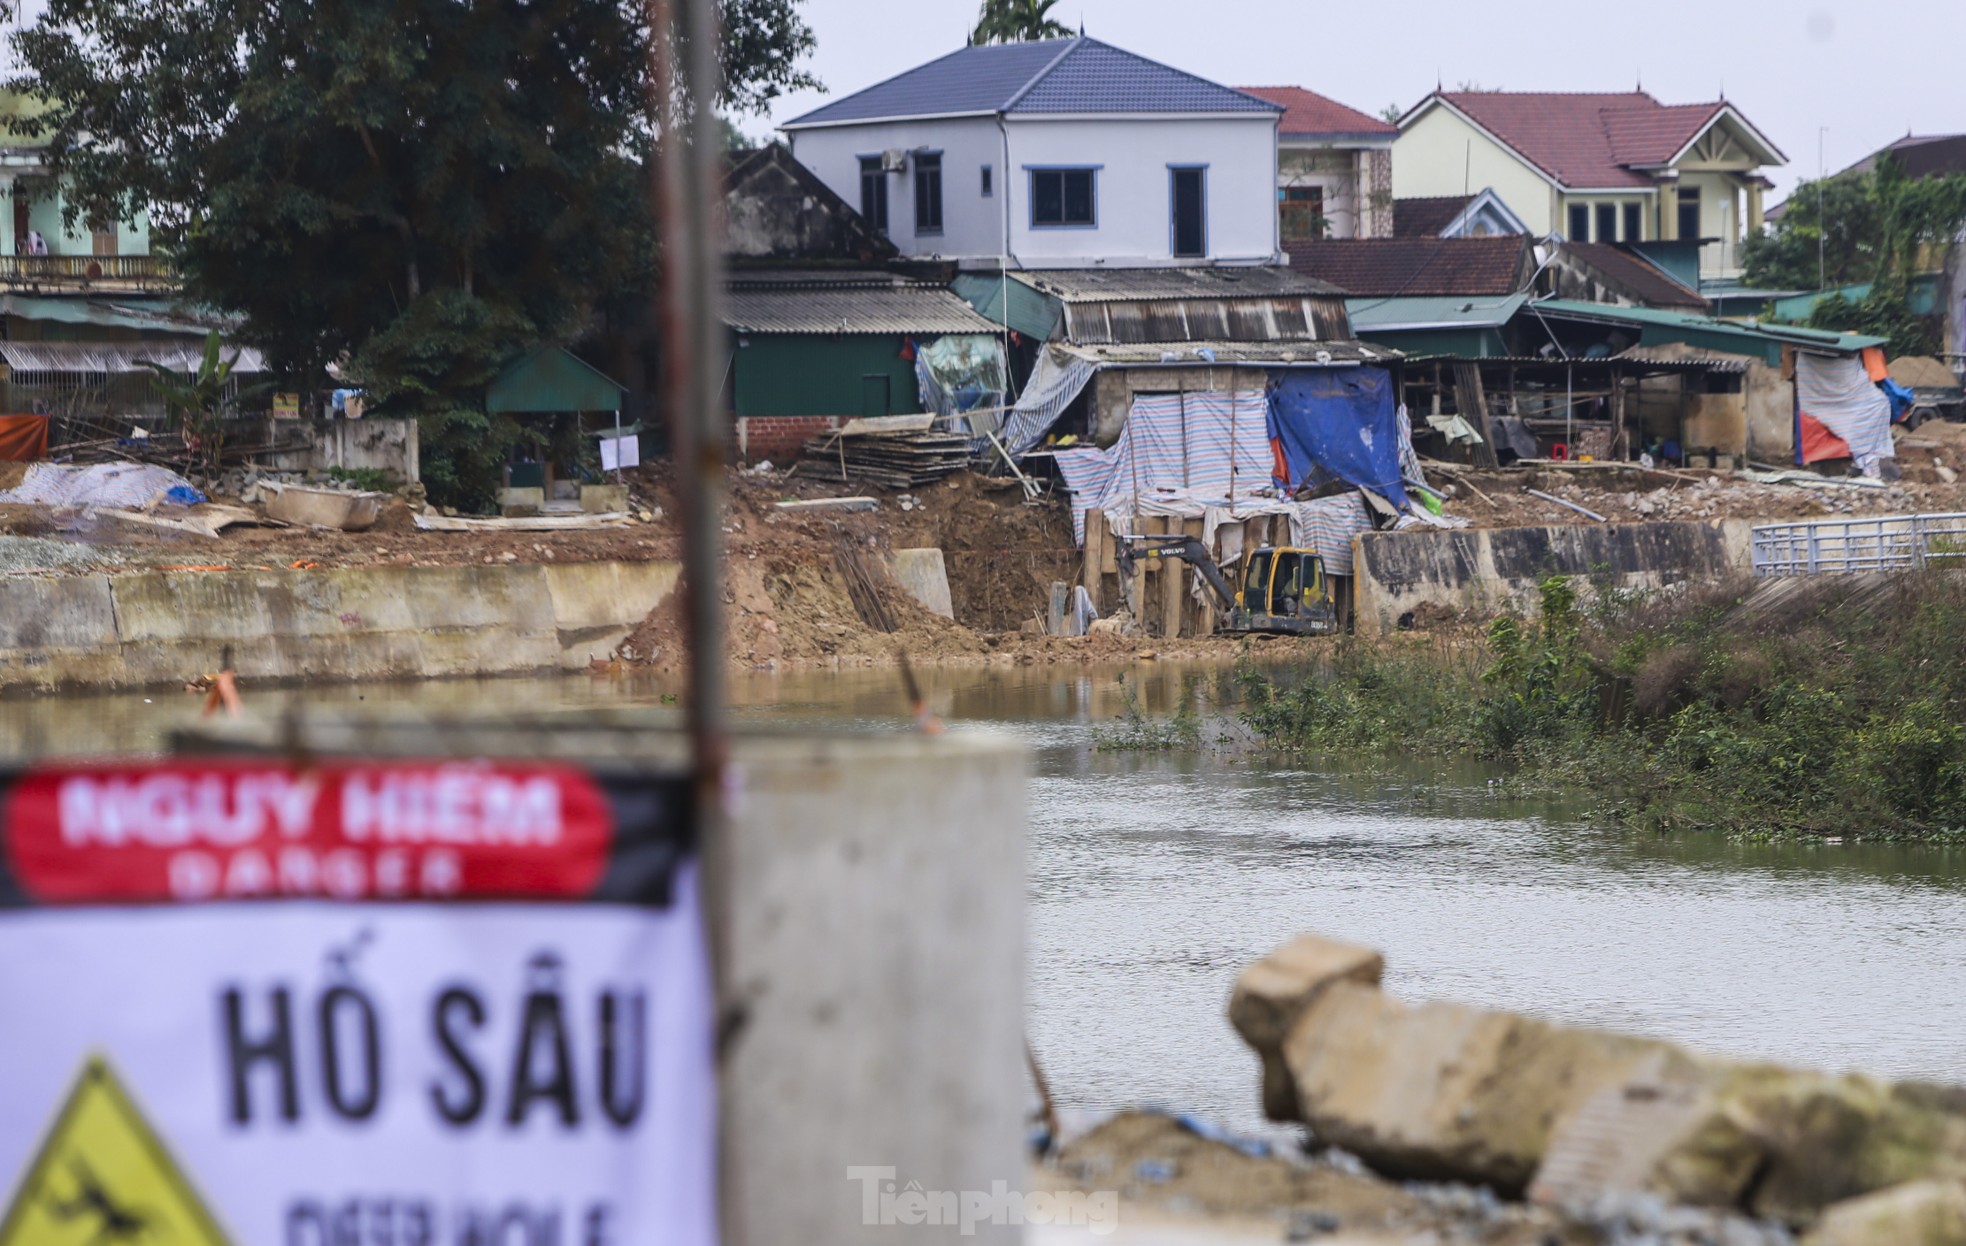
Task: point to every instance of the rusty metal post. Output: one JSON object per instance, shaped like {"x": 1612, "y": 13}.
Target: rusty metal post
{"x": 684, "y": 84}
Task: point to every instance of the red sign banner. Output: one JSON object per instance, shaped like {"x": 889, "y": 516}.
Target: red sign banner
{"x": 198, "y": 830}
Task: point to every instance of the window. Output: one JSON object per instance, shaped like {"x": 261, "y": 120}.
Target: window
{"x": 873, "y": 192}
{"x": 1301, "y": 212}
{"x": 1188, "y": 212}
{"x": 1689, "y": 214}
{"x": 1607, "y": 222}
{"x": 928, "y": 192}
{"x": 1580, "y": 222}
{"x": 989, "y": 181}
{"x": 1062, "y": 197}
{"x": 1634, "y": 222}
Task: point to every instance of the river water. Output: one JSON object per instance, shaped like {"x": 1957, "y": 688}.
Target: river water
{"x": 1155, "y": 875}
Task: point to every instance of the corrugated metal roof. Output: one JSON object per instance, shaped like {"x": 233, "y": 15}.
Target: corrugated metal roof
{"x": 834, "y": 303}
{"x": 1270, "y": 354}
{"x": 550, "y": 380}
{"x": 1044, "y": 76}
{"x": 182, "y": 356}
{"x": 112, "y": 315}
{"x": 1009, "y": 303}
{"x": 1432, "y": 312}
{"x": 1088, "y": 285}
{"x": 1318, "y": 318}
{"x": 1817, "y": 339}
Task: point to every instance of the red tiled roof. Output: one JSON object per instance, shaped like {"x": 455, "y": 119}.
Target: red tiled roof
{"x": 1640, "y": 278}
{"x": 1587, "y": 140}
{"x": 1427, "y": 217}
{"x": 1309, "y": 114}
{"x": 1388, "y": 267}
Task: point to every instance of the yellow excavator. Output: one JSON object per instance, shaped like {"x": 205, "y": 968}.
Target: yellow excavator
{"x": 1284, "y": 590}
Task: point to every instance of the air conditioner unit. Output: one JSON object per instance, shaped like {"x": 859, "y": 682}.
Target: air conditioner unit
{"x": 894, "y": 160}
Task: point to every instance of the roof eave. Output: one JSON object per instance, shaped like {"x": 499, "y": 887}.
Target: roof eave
{"x": 791, "y": 126}
{"x": 1728, "y": 110}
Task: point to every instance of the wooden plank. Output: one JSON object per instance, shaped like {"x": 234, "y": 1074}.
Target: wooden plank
{"x": 1473, "y": 406}
{"x": 1173, "y": 579}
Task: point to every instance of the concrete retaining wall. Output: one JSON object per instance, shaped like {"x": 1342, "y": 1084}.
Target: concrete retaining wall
{"x": 1496, "y": 570}
{"x": 355, "y": 623}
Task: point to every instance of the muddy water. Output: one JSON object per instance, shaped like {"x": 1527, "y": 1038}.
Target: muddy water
{"x": 1154, "y": 876}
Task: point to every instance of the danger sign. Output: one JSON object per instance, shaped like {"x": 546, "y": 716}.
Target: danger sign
{"x": 416, "y": 1004}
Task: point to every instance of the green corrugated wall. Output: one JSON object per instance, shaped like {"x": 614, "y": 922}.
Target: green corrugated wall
{"x": 815, "y": 374}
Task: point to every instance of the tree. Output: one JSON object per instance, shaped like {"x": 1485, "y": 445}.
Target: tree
{"x": 1877, "y": 227}
{"x": 422, "y": 188}
{"x": 1018, "y": 21}
{"x": 198, "y": 401}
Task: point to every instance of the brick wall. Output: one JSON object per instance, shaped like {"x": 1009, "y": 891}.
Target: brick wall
{"x": 778, "y": 437}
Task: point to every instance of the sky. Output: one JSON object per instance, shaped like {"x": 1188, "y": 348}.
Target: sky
{"x": 1869, "y": 73}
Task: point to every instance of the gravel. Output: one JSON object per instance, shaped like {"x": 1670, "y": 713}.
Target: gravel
{"x": 33, "y": 553}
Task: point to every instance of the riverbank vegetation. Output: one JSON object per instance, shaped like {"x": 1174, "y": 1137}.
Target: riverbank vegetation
{"x": 1832, "y": 709}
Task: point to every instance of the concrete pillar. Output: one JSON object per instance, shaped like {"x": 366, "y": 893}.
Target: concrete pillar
{"x": 1668, "y": 210}
{"x": 1754, "y": 217}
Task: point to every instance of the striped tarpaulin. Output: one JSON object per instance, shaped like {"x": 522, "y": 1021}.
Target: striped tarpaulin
{"x": 1208, "y": 447}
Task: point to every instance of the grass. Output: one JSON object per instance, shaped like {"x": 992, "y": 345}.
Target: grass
{"x": 1836, "y": 712}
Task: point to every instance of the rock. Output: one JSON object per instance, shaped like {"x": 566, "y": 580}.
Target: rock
{"x": 1832, "y": 1138}
{"x": 1439, "y": 1091}
{"x": 1918, "y": 1213}
{"x": 1272, "y": 993}
{"x": 1947, "y": 474}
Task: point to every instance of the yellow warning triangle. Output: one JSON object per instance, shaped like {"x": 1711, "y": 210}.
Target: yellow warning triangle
{"x": 103, "y": 1178}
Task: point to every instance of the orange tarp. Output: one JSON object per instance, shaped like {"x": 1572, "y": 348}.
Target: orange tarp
{"x": 23, "y": 438}
{"x": 1818, "y": 443}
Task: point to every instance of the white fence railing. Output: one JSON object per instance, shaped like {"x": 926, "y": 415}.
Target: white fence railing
{"x": 1885, "y": 543}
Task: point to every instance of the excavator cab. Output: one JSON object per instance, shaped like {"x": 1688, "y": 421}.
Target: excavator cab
{"x": 1283, "y": 590}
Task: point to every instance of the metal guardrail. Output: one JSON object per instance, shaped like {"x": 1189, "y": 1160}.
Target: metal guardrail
{"x": 1883, "y": 543}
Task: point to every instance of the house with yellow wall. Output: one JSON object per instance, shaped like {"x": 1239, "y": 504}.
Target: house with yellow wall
{"x": 1596, "y": 167}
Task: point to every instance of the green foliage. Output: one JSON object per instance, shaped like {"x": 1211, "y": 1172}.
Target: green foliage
{"x": 1877, "y": 227}
{"x": 197, "y": 402}
{"x": 1842, "y": 714}
{"x": 367, "y": 479}
{"x": 1136, "y": 732}
{"x": 425, "y": 188}
{"x": 1016, "y": 21}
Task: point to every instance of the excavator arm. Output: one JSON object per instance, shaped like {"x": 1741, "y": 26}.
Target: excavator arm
{"x": 1186, "y": 548}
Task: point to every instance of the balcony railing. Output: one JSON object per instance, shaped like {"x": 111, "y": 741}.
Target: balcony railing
{"x": 86, "y": 269}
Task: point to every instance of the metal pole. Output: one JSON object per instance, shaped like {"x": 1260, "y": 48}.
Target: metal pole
{"x": 1822, "y": 220}
{"x": 685, "y": 83}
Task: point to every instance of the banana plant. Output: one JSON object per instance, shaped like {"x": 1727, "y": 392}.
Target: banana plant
{"x": 197, "y": 401}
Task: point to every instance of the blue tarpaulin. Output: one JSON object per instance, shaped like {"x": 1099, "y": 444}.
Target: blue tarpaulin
{"x": 1338, "y": 423}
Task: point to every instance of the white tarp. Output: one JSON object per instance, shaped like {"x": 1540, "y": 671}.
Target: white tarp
{"x": 1837, "y": 392}
{"x": 1059, "y": 377}
{"x": 99, "y": 484}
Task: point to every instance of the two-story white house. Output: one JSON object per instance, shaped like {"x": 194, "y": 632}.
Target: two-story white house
{"x": 1060, "y": 153}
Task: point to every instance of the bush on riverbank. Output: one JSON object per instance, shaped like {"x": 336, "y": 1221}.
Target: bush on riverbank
{"x": 1836, "y": 710}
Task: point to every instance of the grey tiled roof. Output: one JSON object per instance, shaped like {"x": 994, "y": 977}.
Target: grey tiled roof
{"x": 1051, "y": 76}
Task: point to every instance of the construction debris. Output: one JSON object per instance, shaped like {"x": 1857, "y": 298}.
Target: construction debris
{"x": 830, "y": 504}
{"x": 906, "y": 460}
{"x": 540, "y": 523}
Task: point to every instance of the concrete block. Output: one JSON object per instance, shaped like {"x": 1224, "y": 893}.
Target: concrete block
{"x": 924, "y": 576}
{"x": 1918, "y": 1213}
{"x": 1443, "y": 1092}
{"x": 597, "y": 605}
{"x": 604, "y": 499}
{"x": 322, "y": 508}
{"x": 521, "y": 503}
{"x": 1271, "y": 994}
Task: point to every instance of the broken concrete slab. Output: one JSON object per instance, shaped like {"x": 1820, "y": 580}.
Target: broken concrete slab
{"x": 1918, "y": 1213}
{"x": 539, "y": 523}
{"x": 830, "y": 504}
{"x": 1271, "y": 994}
{"x": 924, "y": 576}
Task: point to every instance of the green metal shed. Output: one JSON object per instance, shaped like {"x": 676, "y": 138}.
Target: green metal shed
{"x": 552, "y": 381}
